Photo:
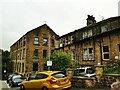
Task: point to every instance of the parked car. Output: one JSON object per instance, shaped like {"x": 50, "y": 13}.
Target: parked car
{"x": 10, "y": 76}
{"x": 16, "y": 80}
{"x": 46, "y": 80}
{"x": 85, "y": 71}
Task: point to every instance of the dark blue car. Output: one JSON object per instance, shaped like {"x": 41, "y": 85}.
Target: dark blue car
{"x": 16, "y": 80}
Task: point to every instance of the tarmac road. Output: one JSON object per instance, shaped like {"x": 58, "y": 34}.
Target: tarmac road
{"x": 5, "y": 86}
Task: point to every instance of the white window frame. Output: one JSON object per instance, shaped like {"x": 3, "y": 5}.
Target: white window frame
{"x": 72, "y": 38}
{"x": 104, "y": 28}
{"x": 60, "y": 42}
{"x": 45, "y": 41}
{"x": 73, "y": 54}
{"x": 36, "y": 40}
{"x": 87, "y": 55}
{"x": 90, "y": 55}
{"x": 85, "y": 35}
{"x": 66, "y": 41}
{"x": 103, "y": 53}
{"x": 89, "y": 33}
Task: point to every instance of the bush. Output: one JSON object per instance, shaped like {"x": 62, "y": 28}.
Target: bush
{"x": 112, "y": 67}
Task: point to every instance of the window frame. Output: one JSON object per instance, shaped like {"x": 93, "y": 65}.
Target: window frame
{"x": 66, "y": 40}
{"x": 41, "y": 76}
{"x": 87, "y": 55}
{"x": 90, "y": 54}
{"x": 36, "y": 40}
{"x": 45, "y": 43}
{"x": 73, "y": 54}
{"x": 104, "y": 28}
{"x": 53, "y": 42}
{"x": 105, "y": 53}
{"x": 85, "y": 35}
{"x": 72, "y": 38}
{"x": 36, "y": 54}
{"x": 35, "y": 66}
{"x": 60, "y": 43}
{"x": 44, "y": 56}
{"x": 90, "y": 33}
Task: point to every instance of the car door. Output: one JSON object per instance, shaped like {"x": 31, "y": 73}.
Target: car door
{"x": 39, "y": 80}
{"x": 30, "y": 81}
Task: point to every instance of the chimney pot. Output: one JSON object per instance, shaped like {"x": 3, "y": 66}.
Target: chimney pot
{"x": 90, "y": 20}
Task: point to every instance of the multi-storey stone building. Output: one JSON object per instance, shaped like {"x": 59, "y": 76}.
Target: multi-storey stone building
{"x": 29, "y": 52}
{"x": 97, "y": 43}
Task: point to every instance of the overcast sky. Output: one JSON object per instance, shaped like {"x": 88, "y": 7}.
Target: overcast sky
{"x": 63, "y": 16}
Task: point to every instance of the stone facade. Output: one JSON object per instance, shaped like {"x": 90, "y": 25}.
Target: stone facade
{"x": 94, "y": 44}
{"x": 32, "y": 49}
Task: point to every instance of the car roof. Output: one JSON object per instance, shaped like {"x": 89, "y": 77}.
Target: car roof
{"x": 48, "y": 72}
{"x": 17, "y": 76}
{"x": 83, "y": 67}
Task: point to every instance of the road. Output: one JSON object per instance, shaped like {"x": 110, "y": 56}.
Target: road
{"x": 5, "y": 86}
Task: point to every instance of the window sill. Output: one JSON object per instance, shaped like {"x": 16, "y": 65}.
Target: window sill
{"x": 37, "y": 44}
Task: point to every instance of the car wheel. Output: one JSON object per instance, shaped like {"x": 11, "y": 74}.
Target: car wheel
{"x": 22, "y": 87}
{"x": 45, "y": 88}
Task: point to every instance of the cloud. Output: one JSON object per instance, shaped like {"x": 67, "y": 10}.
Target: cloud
{"x": 63, "y": 16}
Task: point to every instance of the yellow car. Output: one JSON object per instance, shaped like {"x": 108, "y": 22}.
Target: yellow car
{"x": 46, "y": 80}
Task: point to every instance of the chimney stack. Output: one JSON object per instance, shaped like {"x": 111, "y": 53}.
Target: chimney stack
{"x": 90, "y": 20}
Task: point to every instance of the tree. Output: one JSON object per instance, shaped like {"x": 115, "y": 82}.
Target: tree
{"x": 6, "y": 63}
{"x": 60, "y": 60}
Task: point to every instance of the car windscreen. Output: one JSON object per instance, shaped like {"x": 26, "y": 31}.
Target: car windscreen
{"x": 16, "y": 77}
{"x": 58, "y": 75}
{"x": 78, "y": 72}
{"x": 90, "y": 71}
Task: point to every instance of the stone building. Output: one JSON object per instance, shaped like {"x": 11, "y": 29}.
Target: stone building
{"x": 29, "y": 52}
{"x": 95, "y": 44}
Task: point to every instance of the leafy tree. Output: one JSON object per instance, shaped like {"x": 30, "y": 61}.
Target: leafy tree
{"x": 60, "y": 60}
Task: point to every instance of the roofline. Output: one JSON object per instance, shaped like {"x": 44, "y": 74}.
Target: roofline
{"x": 105, "y": 20}
{"x": 57, "y": 36}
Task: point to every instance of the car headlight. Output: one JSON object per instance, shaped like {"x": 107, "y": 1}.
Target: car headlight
{"x": 15, "y": 81}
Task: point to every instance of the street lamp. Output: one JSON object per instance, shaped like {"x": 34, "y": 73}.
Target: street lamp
{"x": 49, "y": 62}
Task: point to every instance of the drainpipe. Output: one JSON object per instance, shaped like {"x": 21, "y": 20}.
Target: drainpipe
{"x": 21, "y": 62}
{"x": 49, "y": 53}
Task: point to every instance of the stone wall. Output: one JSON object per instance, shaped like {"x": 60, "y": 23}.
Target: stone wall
{"x": 83, "y": 82}
{"x": 101, "y": 80}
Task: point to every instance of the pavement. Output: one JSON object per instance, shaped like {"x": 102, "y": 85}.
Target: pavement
{"x": 3, "y": 84}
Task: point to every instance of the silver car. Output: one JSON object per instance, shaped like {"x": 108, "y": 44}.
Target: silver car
{"x": 85, "y": 71}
